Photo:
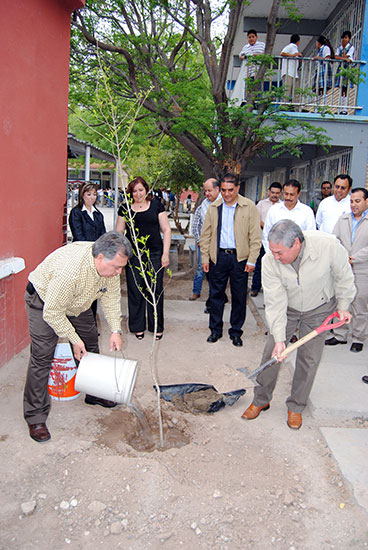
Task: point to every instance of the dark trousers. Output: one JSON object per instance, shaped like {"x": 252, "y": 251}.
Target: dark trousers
{"x": 137, "y": 304}
{"x": 256, "y": 279}
{"x": 308, "y": 357}
{"x": 228, "y": 268}
{"x": 36, "y": 400}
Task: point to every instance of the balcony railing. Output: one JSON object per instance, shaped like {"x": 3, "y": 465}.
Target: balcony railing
{"x": 329, "y": 84}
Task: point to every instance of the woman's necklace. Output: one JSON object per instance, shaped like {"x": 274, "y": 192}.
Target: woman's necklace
{"x": 141, "y": 205}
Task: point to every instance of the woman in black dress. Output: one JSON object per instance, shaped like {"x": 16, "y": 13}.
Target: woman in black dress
{"x": 149, "y": 219}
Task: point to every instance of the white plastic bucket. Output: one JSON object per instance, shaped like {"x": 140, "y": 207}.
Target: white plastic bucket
{"x": 111, "y": 378}
{"x": 62, "y": 375}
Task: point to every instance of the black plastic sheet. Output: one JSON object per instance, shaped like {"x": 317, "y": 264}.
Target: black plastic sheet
{"x": 179, "y": 390}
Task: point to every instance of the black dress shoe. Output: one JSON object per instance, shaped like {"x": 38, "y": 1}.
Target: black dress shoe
{"x": 365, "y": 379}
{"x": 92, "y": 400}
{"x": 213, "y": 337}
{"x": 207, "y": 310}
{"x": 334, "y": 341}
{"x": 254, "y": 293}
{"x": 356, "y": 347}
{"x": 237, "y": 341}
{"x": 39, "y": 432}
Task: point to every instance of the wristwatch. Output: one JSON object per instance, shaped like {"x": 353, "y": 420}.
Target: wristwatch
{"x": 116, "y": 332}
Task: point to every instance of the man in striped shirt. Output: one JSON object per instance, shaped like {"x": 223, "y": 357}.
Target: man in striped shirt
{"x": 211, "y": 189}
{"x": 59, "y": 295}
{"x": 254, "y": 47}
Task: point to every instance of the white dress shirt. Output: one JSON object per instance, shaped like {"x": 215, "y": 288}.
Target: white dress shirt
{"x": 329, "y": 212}
{"x": 301, "y": 214}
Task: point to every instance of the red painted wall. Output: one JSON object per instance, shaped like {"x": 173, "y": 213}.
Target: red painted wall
{"x": 34, "y": 61}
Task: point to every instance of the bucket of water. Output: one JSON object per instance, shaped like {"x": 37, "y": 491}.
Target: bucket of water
{"x": 111, "y": 378}
{"x": 62, "y": 375}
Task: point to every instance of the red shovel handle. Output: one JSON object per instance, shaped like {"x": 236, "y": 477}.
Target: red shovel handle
{"x": 326, "y": 325}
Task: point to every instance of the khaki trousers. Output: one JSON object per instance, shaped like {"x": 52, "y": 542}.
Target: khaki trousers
{"x": 290, "y": 83}
{"x": 359, "y": 311}
{"x": 307, "y": 358}
{"x": 36, "y": 401}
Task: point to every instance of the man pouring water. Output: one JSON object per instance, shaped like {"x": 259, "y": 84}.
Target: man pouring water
{"x": 58, "y": 296}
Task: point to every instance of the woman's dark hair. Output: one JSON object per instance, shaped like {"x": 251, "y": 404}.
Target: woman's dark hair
{"x": 132, "y": 184}
{"x": 325, "y": 42}
{"x": 87, "y": 186}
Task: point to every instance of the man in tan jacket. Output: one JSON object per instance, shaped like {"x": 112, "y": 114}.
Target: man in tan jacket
{"x": 352, "y": 231}
{"x": 230, "y": 243}
{"x": 306, "y": 276}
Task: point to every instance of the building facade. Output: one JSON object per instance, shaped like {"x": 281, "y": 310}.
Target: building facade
{"x": 348, "y": 133}
{"x": 34, "y": 83}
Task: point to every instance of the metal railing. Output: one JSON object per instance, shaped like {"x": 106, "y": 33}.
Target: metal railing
{"x": 307, "y": 85}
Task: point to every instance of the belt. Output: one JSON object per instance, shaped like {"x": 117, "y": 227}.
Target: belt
{"x": 228, "y": 250}
{"x": 30, "y": 288}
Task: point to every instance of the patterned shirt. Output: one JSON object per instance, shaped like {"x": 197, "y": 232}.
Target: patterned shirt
{"x": 198, "y": 219}
{"x": 67, "y": 282}
{"x": 257, "y": 49}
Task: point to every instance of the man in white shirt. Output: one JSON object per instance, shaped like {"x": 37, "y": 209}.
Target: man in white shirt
{"x": 273, "y": 197}
{"x": 289, "y": 68}
{"x": 333, "y": 207}
{"x": 289, "y": 209}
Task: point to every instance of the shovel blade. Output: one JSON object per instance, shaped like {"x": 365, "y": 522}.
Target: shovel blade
{"x": 251, "y": 375}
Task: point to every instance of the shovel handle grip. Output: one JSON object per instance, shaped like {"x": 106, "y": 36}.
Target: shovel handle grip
{"x": 326, "y": 325}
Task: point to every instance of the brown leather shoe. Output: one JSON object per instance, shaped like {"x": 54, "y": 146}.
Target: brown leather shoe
{"x": 294, "y": 420}
{"x": 194, "y": 297}
{"x": 253, "y": 411}
{"x": 39, "y": 432}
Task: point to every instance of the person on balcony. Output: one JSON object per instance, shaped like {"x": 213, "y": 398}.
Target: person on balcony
{"x": 254, "y": 47}
{"x": 345, "y": 52}
{"x": 322, "y": 79}
{"x": 289, "y": 68}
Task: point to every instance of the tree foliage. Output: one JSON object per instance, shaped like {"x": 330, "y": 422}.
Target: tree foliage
{"x": 166, "y": 53}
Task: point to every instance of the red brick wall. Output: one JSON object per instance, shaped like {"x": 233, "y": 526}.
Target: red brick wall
{"x": 34, "y": 60}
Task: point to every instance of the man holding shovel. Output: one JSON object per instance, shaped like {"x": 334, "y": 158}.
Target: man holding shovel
{"x": 306, "y": 276}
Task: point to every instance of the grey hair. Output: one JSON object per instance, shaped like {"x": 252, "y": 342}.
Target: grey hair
{"x": 110, "y": 244}
{"x": 285, "y": 232}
